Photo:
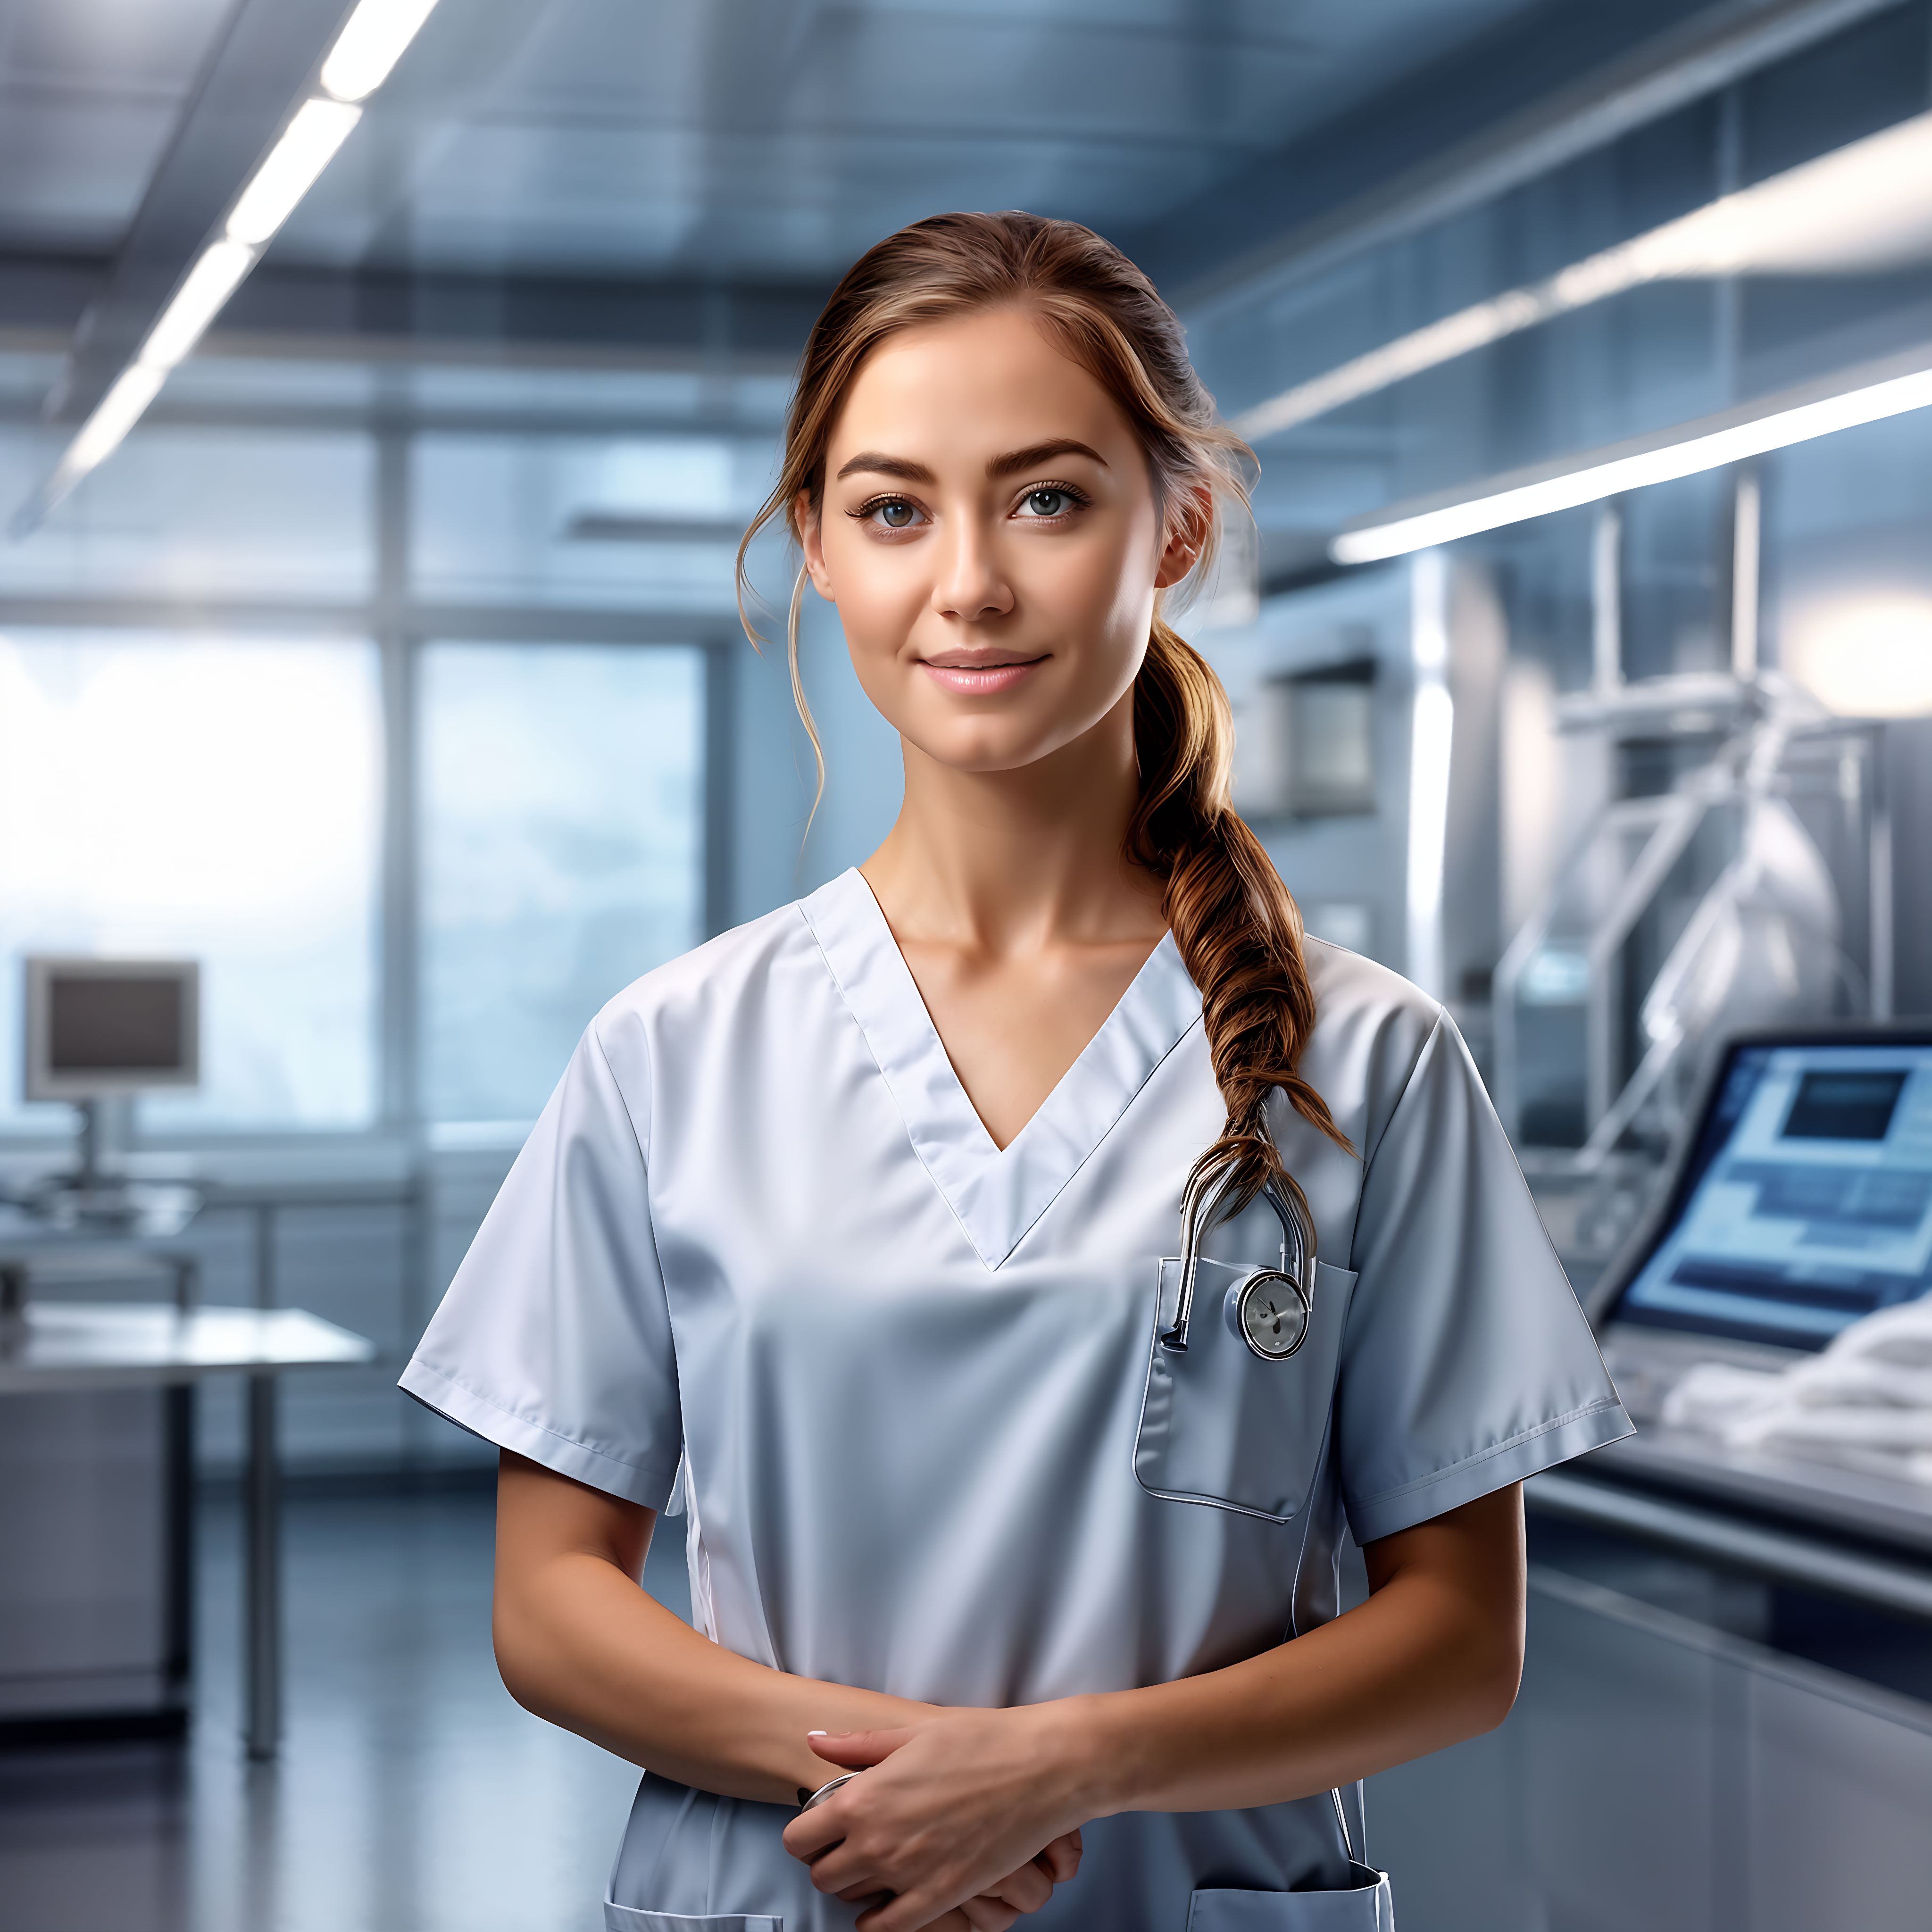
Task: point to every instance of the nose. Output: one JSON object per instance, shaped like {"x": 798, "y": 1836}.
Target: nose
{"x": 970, "y": 585}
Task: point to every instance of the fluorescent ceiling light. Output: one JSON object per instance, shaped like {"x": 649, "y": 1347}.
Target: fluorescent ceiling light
{"x": 114, "y": 416}
{"x": 196, "y": 303}
{"x": 307, "y": 145}
{"x": 368, "y": 45}
{"x": 1880, "y": 389}
{"x": 1864, "y": 208}
{"x": 371, "y": 44}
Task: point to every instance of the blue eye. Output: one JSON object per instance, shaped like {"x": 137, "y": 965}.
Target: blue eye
{"x": 1048, "y": 503}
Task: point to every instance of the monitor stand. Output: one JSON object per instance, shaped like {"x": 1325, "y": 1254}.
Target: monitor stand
{"x": 95, "y": 1201}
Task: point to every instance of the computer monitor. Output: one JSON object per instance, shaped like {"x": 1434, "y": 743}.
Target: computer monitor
{"x": 1802, "y": 1197}
{"x": 100, "y": 1028}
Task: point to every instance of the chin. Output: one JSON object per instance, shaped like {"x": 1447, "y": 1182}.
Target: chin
{"x": 987, "y": 745}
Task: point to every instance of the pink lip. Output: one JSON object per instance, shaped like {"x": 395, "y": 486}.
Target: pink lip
{"x": 981, "y": 680}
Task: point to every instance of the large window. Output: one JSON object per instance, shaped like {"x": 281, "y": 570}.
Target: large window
{"x": 220, "y": 797}
{"x": 562, "y": 844}
{"x": 231, "y": 727}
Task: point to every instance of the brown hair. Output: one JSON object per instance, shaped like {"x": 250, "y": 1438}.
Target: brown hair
{"x": 1237, "y": 928}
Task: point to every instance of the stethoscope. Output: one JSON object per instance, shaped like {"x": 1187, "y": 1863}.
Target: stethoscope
{"x": 1271, "y": 1309}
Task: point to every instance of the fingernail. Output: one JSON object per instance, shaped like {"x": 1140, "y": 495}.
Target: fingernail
{"x": 818, "y": 1734}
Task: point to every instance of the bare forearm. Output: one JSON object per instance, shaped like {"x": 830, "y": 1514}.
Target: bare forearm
{"x": 1433, "y": 1657}
{"x": 1381, "y": 1685}
{"x": 580, "y": 1644}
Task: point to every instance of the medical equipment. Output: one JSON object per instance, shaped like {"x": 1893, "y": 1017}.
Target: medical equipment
{"x": 1802, "y": 1200}
{"x": 1269, "y": 1309}
{"x": 97, "y": 1032}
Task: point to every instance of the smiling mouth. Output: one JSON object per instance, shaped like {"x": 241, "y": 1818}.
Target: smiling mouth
{"x": 980, "y": 677}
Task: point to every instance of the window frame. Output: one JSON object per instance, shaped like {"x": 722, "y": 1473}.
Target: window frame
{"x": 401, "y": 626}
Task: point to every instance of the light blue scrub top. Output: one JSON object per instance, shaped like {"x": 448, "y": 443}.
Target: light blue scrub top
{"x": 927, "y": 1444}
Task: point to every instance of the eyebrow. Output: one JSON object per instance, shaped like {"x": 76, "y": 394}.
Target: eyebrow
{"x": 882, "y": 465}
{"x": 876, "y": 463}
{"x": 1035, "y": 454}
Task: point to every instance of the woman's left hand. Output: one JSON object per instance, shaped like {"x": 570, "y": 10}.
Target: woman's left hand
{"x": 965, "y": 1814}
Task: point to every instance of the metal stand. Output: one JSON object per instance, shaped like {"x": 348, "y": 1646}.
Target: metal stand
{"x": 90, "y": 1177}
{"x": 1772, "y": 746}
{"x": 99, "y": 1198}
{"x": 262, "y": 1656}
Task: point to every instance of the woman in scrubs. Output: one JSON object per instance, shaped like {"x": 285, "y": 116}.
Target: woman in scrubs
{"x": 855, "y": 1233}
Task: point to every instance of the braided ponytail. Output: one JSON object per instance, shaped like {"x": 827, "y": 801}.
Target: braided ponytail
{"x": 1237, "y": 928}
{"x": 1235, "y": 925}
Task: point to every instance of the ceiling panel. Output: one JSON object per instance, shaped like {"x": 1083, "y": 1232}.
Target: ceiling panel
{"x": 90, "y": 92}
{"x": 762, "y": 139}
{"x": 618, "y": 201}
{"x": 780, "y": 138}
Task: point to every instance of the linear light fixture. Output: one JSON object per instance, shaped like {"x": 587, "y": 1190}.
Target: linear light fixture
{"x": 1867, "y": 394}
{"x": 371, "y": 43}
{"x": 294, "y": 165}
{"x": 204, "y": 290}
{"x": 1860, "y": 208}
{"x": 116, "y": 413}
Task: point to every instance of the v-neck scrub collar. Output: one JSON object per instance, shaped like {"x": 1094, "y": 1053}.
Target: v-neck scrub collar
{"x": 996, "y": 1193}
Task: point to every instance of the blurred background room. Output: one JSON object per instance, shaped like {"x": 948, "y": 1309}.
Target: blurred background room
{"x": 383, "y": 391}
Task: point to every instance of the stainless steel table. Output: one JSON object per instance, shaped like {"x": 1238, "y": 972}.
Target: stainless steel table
{"x": 48, "y": 1346}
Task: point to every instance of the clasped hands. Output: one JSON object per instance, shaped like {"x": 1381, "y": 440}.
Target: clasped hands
{"x": 964, "y": 1822}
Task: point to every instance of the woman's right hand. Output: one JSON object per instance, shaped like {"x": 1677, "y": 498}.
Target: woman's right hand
{"x": 1020, "y": 1892}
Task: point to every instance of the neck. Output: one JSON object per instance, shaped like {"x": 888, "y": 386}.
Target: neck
{"x": 1004, "y": 861}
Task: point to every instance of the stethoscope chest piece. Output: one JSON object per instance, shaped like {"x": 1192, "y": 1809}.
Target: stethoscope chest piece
{"x": 1270, "y": 1312}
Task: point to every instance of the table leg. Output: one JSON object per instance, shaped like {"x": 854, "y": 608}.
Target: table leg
{"x": 262, "y": 1653}
{"x": 180, "y": 1412}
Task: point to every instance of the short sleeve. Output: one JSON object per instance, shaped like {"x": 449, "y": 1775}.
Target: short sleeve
{"x": 1466, "y": 1363}
{"x": 554, "y": 1340}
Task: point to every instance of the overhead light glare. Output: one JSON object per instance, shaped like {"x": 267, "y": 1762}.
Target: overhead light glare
{"x": 1860, "y": 209}
{"x": 114, "y": 416}
{"x": 307, "y": 145}
{"x": 196, "y": 303}
{"x": 371, "y": 44}
{"x": 1798, "y": 418}
{"x": 1867, "y": 659}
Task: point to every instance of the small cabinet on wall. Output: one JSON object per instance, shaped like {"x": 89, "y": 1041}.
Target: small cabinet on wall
{"x": 1308, "y": 747}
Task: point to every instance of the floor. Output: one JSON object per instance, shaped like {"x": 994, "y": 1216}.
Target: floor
{"x": 411, "y": 1795}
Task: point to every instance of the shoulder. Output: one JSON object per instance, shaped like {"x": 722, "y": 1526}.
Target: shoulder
{"x": 1372, "y": 1028}
{"x": 711, "y": 986}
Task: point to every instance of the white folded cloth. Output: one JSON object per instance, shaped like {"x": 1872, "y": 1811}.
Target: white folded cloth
{"x": 1864, "y": 1401}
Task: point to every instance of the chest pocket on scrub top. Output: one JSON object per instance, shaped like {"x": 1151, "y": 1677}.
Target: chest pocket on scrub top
{"x": 1240, "y": 1370}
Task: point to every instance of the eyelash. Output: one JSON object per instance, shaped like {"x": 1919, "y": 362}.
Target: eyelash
{"x": 864, "y": 512}
{"x": 1074, "y": 494}
{"x": 1077, "y": 498}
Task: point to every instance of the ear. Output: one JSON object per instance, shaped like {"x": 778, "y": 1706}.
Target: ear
{"x": 811, "y": 541}
{"x": 1189, "y": 527}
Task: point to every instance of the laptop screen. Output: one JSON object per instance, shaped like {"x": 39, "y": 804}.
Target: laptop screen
{"x": 1807, "y": 1199}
